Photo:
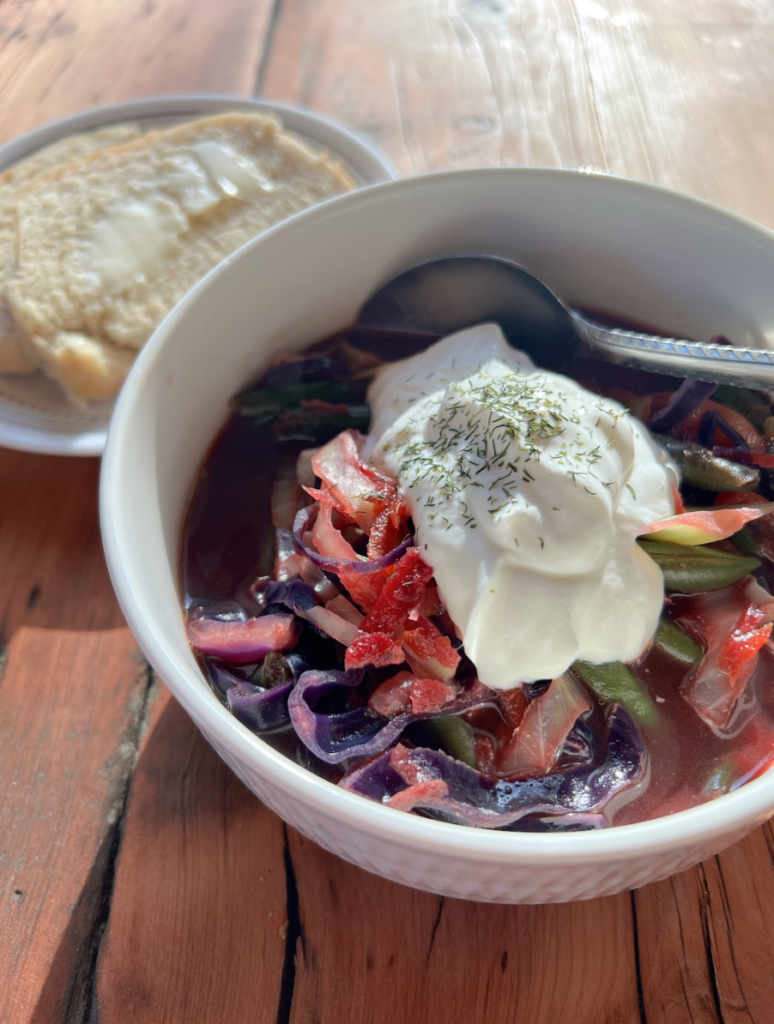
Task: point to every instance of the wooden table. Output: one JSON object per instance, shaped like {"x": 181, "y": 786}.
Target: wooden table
{"x": 139, "y": 881}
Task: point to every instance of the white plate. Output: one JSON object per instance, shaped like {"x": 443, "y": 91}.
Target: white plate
{"x": 34, "y": 415}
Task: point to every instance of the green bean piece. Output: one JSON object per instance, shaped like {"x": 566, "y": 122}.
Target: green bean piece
{"x": 746, "y": 542}
{"x": 263, "y": 404}
{"x": 317, "y": 426}
{"x": 615, "y": 683}
{"x": 456, "y": 737}
{"x": 700, "y": 468}
{"x": 693, "y": 570}
{"x": 676, "y": 643}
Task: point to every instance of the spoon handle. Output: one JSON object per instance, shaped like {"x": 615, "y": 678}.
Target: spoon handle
{"x": 698, "y": 360}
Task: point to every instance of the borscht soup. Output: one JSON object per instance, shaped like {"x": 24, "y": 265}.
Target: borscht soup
{"x": 471, "y": 589}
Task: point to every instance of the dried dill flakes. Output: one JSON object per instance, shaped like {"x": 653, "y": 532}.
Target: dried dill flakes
{"x": 498, "y": 423}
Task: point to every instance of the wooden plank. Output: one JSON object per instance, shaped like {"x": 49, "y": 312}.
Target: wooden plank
{"x": 58, "y": 58}
{"x": 73, "y": 687}
{"x": 684, "y": 95}
{"x": 740, "y": 887}
{"x": 335, "y": 58}
{"x": 71, "y": 702}
{"x": 443, "y": 84}
{"x": 675, "y": 951}
{"x": 642, "y": 88}
{"x": 705, "y": 936}
{"x": 198, "y": 922}
{"x": 370, "y": 950}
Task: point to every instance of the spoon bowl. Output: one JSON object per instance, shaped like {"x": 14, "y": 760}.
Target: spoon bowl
{"x": 447, "y": 295}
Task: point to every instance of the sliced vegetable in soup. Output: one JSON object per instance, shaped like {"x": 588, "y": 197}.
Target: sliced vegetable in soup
{"x": 467, "y": 588}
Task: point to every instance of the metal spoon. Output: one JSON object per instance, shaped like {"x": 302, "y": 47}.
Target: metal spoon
{"x": 447, "y": 295}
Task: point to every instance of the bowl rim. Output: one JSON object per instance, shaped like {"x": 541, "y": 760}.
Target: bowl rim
{"x": 739, "y": 810}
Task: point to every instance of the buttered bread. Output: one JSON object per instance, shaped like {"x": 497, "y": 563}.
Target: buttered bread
{"x": 15, "y": 357}
{"x": 108, "y": 244}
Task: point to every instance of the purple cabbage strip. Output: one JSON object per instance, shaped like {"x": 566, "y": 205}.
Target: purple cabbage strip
{"x": 581, "y": 746}
{"x": 360, "y": 732}
{"x": 688, "y": 397}
{"x": 260, "y": 710}
{"x": 304, "y": 520}
{"x": 711, "y": 421}
{"x": 285, "y": 544}
{"x": 297, "y": 595}
{"x": 220, "y": 677}
{"x": 472, "y": 799}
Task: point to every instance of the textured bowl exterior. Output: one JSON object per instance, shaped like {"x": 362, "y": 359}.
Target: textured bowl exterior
{"x": 681, "y": 265}
{"x": 464, "y": 877}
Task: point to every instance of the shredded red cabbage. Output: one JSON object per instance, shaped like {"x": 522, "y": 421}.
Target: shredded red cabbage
{"x": 259, "y": 709}
{"x": 431, "y": 781}
{"x": 262, "y": 708}
{"x": 220, "y": 677}
{"x": 304, "y": 521}
{"x": 359, "y": 732}
{"x": 300, "y": 597}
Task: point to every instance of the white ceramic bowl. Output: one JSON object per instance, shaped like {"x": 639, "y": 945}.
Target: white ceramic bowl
{"x": 683, "y": 266}
{"x": 34, "y": 414}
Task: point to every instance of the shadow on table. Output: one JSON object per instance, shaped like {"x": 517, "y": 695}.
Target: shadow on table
{"x": 66, "y": 993}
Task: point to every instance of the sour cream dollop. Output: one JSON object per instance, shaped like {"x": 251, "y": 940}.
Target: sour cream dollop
{"x": 527, "y": 493}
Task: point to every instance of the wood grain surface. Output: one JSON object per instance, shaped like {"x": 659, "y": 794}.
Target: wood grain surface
{"x": 139, "y": 881}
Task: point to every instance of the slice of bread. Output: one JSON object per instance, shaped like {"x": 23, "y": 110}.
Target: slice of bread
{"x": 107, "y": 245}
{"x": 88, "y": 369}
{"x": 14, "y": 356}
